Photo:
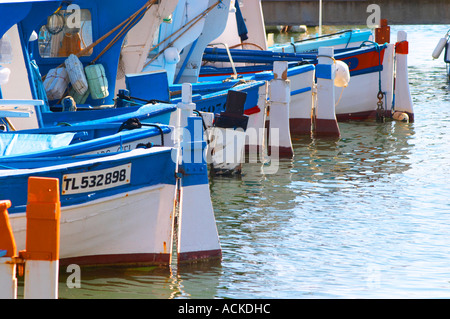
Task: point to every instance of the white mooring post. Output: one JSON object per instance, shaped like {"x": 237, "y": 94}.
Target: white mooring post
{"x": 185, "y": 107}
{"x": 8, "y": 280}
{"x": 255, "y": 137}
{"x": 197, "y": 231}
{"x": 280, "y": 97}
{"x": 42, "y": 240}
{"x": 403, "y": 104}
{"x": 325, "y": 122}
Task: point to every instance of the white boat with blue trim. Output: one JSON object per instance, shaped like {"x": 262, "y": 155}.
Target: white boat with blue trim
{"x": 370, "y": 93}
{"x": 117, "y": 196}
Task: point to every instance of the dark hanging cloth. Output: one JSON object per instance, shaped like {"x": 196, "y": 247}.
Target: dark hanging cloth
{"x": 242, "y": 28}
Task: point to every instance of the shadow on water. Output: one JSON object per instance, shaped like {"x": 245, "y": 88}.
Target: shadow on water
{"x": 193, "y": 280}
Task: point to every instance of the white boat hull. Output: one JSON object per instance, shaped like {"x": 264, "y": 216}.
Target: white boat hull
{"x": 133, "y": 227}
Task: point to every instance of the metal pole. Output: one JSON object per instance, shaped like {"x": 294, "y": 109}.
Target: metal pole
{"x": 320, "y": 17}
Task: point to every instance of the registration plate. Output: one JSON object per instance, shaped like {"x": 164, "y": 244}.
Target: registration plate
{"x": 96, "y": 180}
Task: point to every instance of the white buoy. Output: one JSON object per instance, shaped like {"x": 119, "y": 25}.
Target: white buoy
{"x": 403, "y": 101}
{"x": 325, "y": 122}
{"x": 280, "y": 95}
{"x": 400, "y": 116}
{"x": 342, "y": 74}
{"x": 439, "y": 47}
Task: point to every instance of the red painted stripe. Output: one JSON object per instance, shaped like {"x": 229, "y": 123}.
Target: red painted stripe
{"x": 356, "y": 116}
{"x": 118, "y": 259}
{"x": 283, "y": 151}
{"x": 365, "y": 60}
{"x": 402, "y": 47}
{"x": 300, "y": 126}
{"x": 326, "y": 127}
{"x": 196, "y": 255}
{"x": 252, "y": 110}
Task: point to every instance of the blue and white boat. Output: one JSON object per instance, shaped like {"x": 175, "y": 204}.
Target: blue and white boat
{"x": 179, "y": 50}
{"x": 117, "y": 198}
{"x": 176, "y": 45}
{"x": 43, "y": 50}
{"x": 371, "y": 65}
{"x": 115, "y": 209}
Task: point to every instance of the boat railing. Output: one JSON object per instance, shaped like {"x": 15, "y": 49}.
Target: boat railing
{"x": 17, "y": 112}
{"x": 229, "y": 56}
{"x": 10, "y": 108}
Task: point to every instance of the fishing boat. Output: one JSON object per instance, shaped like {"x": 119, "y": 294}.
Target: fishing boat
{"x": 79, "y": 80}
{"x": 190, "y": 68}
{"x": 174, "y": 44}
{"x": 369, "y": 93}
{"x": 118, "y": 181}
{"x": 70, "y": 55}
{"x": 180, "y": 49}
{"x": 115, "y": 209}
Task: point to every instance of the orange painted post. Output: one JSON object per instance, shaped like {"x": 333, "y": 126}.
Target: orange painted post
{"x": 8, "y": 251}
{"x": 383, "y": 33}
{"x": 42, "y": 240}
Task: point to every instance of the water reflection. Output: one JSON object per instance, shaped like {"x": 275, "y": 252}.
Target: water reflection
{"x": 278, "y": 224}
{"x": 196, "y": 280}
{"x": 120, "y": 282}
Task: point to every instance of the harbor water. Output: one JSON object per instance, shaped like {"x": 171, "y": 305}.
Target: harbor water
{"x": 363, "y": 216}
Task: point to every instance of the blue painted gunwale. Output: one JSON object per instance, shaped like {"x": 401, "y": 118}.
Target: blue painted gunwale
{"x": 89, "y": 138}
{"x": 267, "y": 57}
{"x": 156, "y": 113}
{"x": 211, "y": 97}
{"x": 256, "y": 76}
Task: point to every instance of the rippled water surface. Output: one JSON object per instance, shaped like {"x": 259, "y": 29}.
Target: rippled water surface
{"x": 365, "y": 216}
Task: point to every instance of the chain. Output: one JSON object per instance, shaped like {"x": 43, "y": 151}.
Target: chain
{"x": 380, "y": 108}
